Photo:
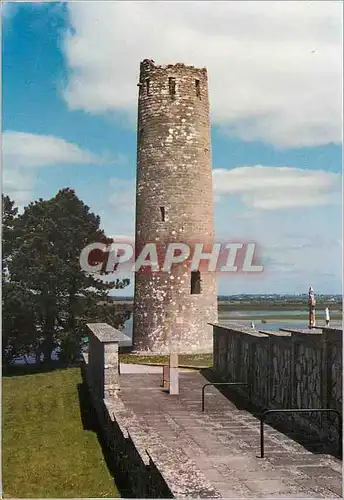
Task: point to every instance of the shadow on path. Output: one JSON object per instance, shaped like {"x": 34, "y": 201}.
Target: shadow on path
{"x": 284, "y": 424}
{"x": 90, "y": 423}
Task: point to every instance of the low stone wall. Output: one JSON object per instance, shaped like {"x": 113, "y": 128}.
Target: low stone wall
{"x": 131, "y": 462}
{"x": 143, "y": 463}
{"x": 285, "y": 369}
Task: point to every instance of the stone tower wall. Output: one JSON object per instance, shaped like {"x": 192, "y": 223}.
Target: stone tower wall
{"x": 174, "y": 172}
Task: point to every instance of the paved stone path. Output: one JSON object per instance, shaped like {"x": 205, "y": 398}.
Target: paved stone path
{"x": 224, "y": 442}
{"x": 126, "y": 368}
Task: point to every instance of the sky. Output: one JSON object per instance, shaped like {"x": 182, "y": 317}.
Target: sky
{"x": 70, "y": 73}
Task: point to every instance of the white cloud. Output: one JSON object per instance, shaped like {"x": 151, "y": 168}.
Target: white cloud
{"x": 314, "y": 262}
{"x": 272, "y": 188}
{"x": 21, "y": 149}
{"x": 274, "y": 67}
{"x": 298, "y": 245}
{"x": 123, "y": 195}
{"x": 23, "y": 153}
{"x": 291, "y": 263}
{"x": 18, "y": 185}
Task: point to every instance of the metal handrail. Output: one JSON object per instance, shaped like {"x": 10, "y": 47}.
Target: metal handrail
{"x": 299, "y": 410}
{"x": 219, "y": 383}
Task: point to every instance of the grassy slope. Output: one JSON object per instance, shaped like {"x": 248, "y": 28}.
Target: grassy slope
{"x": 186, "y": 360}
{"x": 45, "y": 451}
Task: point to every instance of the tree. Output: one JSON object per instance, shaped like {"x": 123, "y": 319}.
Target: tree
{"x": 19, "y": 333}
{"x": 9, "y": 214}
{"x": 50, "y": 236}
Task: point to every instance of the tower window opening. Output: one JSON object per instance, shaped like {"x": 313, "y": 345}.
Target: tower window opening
{"x": 198, "y": 88}
{"x": 172, "y": 86}
{"x": 195, "y": 282}
{"x": 163, "y": 214}
{"x": 147, "y": 86}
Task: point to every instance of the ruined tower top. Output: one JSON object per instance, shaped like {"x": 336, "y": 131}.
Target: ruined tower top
{"x": 149, "y": 64}
{"x": 178, "y": 79}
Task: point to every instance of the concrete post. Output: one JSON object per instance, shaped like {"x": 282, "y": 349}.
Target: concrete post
{"x": 174, "y": 374}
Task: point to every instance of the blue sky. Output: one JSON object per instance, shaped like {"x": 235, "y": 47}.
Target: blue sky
{"x": 69, "y": 111}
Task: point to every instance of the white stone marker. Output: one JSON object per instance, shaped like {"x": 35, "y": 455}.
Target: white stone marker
{"x": 174, "y": 374}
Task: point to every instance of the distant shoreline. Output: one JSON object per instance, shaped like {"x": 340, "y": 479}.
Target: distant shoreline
{"x": 264, "y": 306}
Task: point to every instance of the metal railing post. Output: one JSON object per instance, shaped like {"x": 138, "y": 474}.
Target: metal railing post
{"x": 203, "y": 388}
{"x": 262, "y": 437}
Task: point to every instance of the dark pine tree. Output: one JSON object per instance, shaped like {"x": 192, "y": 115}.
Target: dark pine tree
{"x": 49, "y": 238}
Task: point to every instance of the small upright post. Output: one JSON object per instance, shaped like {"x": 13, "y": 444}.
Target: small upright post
{"x": 174, "y": 374}
{"x": 165, "y": 376}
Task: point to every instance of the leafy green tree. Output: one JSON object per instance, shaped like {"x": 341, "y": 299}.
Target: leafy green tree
{"x": 50, "y": 236}
{"x": 9, "y": 214}
{"x": 19, "y": 334}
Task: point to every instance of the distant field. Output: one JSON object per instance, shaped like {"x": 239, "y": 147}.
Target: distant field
{"x": 266, "y": 310}
{"x": 46, "y": 453}
{"x": 273, "y": 306}
{"x": 261, "y": 305}
{"x": 335, "y": 316}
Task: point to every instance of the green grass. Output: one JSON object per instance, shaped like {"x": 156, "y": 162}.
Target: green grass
{"x": 185, "y": 360}
{"x": 46, "y": 453}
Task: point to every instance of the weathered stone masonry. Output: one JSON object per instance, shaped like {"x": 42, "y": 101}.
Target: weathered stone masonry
{"x": 143, "y": 462}
{"x": 174, "y": 203}
{"x": 285, "y": 369}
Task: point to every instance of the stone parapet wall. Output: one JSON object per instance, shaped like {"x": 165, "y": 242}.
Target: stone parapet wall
{"x": 141, "y": 459}
{"x": 102, "y": 358}
{"x": 284, "y": 369}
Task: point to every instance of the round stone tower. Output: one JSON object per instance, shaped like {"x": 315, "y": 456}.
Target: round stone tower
{"x": 174, "y": 203}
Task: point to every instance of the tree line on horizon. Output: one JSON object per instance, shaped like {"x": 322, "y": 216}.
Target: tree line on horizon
{"x": 47, "y": 298}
